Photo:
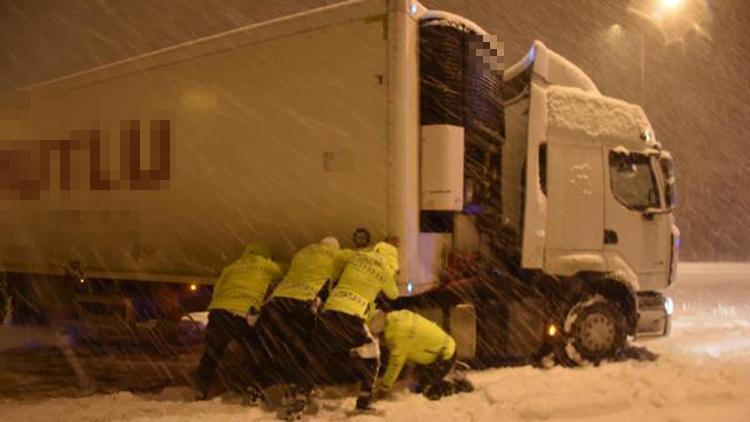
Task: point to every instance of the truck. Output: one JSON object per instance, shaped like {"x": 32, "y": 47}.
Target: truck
{"x": 533, "y": 214}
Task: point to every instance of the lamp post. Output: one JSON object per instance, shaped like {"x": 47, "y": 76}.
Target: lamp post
{"x": 649, "y": 22}
{"x": 632, "y": 50}
{"x": 643, "y": 70}
{"x": 652, "y": 14}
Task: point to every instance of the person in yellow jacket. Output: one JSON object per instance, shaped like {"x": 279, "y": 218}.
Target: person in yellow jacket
{"x": 412, "y": 338}
{"x": 288, "y": 320}
{"x": 236, "y": 303}
{"x": 343, "y": 329}
{"x": 312, "y": 271}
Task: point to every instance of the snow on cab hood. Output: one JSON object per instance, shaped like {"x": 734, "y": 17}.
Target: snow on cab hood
{"x": 594, "y": 114}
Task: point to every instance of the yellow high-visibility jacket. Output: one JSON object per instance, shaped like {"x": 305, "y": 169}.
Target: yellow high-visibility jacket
{"x": 366, "y": 275}
{"x": 311, "y": 267}
{"x": 243, "y": 283}
{"x": 413, "y": 338}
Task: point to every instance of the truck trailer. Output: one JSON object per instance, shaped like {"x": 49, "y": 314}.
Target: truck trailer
{"x": 533, "y": 213}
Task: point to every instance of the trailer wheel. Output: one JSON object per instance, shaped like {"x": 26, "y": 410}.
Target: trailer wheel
{"x": 594, "y": 331}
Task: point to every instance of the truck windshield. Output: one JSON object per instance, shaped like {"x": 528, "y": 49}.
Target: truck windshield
{"x": 667, "y": 169}
{"x": 633, "y": 180}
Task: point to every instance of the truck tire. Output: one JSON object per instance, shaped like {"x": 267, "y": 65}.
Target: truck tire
{"x": 594, "y": 331}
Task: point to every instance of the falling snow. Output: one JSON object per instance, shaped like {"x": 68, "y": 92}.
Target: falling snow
{"x": 682, "y": 62}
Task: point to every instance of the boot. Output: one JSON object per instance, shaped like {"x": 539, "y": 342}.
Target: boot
{"x": 463, "y": 386}
{"x": 364, "y": 407}
{"x": 252, "y": 396}
{"x": 364, "y": 403}
{"x": 290, "y": 409}
{"x": 439, "y": 390}
{"x": 296, "y": 403}
{"x": 201, "y": 391}
{"x": 460, "y": 381}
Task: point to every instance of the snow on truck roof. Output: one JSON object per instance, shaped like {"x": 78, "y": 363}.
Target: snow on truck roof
{"x": 593, "y": 113}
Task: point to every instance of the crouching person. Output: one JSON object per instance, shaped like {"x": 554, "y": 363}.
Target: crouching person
{"x": 413, "y": 339}
{"x": 237, "y": 299}
{"x": 343, "y": 331}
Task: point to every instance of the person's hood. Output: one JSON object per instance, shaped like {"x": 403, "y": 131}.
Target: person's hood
{"x": 389, "y": 254}
{"x": 257, "y": 248}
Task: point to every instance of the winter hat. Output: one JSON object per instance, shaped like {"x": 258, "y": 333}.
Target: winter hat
{"x": 330, "y": 241}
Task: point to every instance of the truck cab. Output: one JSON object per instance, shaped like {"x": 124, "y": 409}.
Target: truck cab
{"x": 588, "y": 156}
{"x": 566, "y": 197}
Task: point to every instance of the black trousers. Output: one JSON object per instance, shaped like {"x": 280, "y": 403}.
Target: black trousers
{"x": 337, "y": 336}
{"x": 434, "y": 373}
{"x": 285, "y": 330}
{"x": 223, "y": 327}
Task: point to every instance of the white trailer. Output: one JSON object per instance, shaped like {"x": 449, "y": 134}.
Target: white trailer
{"x": 343, "y": 120}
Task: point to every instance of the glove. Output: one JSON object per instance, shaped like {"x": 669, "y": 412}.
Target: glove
{"x": 251, "y": 319}
{"x": 252, "y": 316}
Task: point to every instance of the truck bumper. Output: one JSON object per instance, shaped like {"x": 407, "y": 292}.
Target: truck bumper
{"x": 654, "y": 315}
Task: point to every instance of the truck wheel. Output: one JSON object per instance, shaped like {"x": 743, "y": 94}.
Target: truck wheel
{"x": 594, "y": 331}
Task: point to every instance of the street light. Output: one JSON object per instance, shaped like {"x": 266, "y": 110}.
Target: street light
{"x": 671, "y": 4}
{"x": 672, "y": 20}
{"x": 615, "y": 30}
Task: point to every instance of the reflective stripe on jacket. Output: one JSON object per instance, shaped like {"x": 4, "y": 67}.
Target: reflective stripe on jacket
{"x": 366, "y": 275}
{"x": 244, "y": 283}
{"x": 413, "y": 338}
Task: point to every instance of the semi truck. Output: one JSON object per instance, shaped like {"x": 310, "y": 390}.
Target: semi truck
{"x": 533, "y": 213}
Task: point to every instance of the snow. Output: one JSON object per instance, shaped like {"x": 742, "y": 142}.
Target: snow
{"x": 621, "y": 150}
{"x": 197, "y": 317}
{"x": 701, "y": 374}
{"x": 594, "y": 114}
{"x": 581, "y": 178}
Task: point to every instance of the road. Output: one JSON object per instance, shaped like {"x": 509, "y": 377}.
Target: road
{"x": 701, "y": 373}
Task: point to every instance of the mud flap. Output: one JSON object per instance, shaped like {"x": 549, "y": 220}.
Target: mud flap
{"x": 463, "y": 329}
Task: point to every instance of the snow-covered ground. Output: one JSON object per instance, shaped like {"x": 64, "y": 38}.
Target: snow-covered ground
{"x": 702, "y": 373}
